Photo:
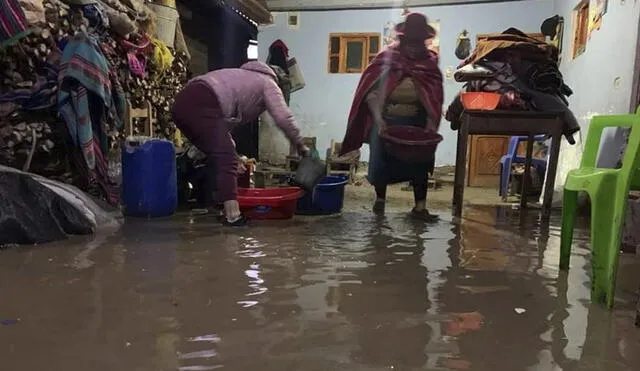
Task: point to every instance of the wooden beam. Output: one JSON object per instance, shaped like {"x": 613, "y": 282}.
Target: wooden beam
{"x": 301, "y": 5}
{"x": 257, "y": 10}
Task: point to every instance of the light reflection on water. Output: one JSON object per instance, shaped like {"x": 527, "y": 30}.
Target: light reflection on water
{"x": 368, "y": 265}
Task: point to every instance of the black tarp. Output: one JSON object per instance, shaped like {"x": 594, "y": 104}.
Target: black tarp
{"x": 31, "y": 213}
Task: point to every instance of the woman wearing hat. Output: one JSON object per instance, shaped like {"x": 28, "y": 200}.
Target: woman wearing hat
{"x": 401, "y": 86}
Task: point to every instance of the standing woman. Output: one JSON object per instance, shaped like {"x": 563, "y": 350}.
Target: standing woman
{"x": 401, "y": 86}
{"x": 211, "y": 105}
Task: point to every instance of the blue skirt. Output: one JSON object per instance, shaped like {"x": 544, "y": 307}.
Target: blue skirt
{"x": 386, "y": 169}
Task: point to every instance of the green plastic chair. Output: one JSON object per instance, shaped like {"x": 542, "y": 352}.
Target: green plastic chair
{"x": 608, "y": 190}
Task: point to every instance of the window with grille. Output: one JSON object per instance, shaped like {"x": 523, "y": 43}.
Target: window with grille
{"x": 352, "y": 52}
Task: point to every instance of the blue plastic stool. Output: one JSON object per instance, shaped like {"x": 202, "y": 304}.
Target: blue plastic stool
{"x": 512, "y": 158}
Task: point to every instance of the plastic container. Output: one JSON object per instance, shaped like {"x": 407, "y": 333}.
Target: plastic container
{"x": 410, "y": 143}
{"x": 149, "y": 177}
{"x": 309, "y": 172}
{"x": 167, "y": 19}
{"x": 326, "y": 199}
{"x": 269, "y": 203}
{"x": 478, "y": 100}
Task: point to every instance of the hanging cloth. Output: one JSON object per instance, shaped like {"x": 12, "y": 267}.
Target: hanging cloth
{"x": 463, "y": 45}
{"x": 278, "y": 55}
{"x": 13, "y": 24}
{"x": 162, "y": 57}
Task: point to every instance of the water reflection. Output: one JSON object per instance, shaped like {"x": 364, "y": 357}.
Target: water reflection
{"x": 352, "y": 292}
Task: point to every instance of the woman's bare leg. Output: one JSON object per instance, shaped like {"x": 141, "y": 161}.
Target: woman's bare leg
{"x": 381, "y": 197}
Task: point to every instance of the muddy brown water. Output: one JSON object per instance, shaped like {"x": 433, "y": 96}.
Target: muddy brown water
{"x": 349, "y": 292}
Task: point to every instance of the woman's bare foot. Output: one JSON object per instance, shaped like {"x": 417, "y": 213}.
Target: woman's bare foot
{"x": 424, "y": 215}
{"x": 378, "y": 207}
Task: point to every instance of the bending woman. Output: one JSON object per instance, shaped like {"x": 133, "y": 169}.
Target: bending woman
{"x": 209, "y": 107}
{"x": 401, "y": 86}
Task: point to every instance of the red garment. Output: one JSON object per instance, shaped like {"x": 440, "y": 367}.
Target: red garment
{"x": 280, "y": 44}
{"x": 426, "y": 76}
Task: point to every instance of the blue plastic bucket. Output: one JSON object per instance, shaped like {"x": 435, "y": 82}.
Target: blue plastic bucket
{"x": 327, "y": 198}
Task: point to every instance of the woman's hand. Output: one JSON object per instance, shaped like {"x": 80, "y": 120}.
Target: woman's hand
{"x": 379, "y": 123}
{"x": 303, "y": 150}
{"x": 242, "y": 165}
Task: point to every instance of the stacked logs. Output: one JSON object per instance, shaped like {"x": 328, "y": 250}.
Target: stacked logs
{"x": 24, "y": 134}
{"x": 162, "y": 94}
{"x": 159, "y": 88}
{"x": 62, "y": 21}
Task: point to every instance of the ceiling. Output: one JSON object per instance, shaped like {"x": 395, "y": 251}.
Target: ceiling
{"x": 256, "y": 10}
{"x": 292, "y": 5}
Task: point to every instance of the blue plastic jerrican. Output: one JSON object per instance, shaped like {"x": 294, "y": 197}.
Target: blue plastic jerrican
{"x": 326, "y": 199}
{"x": 149, "y": 177}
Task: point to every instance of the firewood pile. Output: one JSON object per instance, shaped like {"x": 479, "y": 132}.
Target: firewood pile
{"x": 157, "y": 88}
{"x": 32, "y": 135}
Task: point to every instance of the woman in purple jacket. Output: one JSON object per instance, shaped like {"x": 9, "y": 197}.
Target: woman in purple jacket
{"x": 209, "y": 107}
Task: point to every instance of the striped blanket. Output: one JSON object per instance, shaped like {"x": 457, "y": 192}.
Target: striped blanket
{"x": 86, "y": 101}
{"x": 12, "y": 21}
{"x": 41, "y": 95}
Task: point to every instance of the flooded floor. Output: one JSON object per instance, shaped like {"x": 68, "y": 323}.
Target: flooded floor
{"x": 350, "y": 292}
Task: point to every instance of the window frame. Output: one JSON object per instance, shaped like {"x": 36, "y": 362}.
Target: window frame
{"x": 580, "y": 29}
{"x": 344, "y": 38}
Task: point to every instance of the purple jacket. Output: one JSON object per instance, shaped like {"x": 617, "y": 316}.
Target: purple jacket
{"x": 245, "y": 93}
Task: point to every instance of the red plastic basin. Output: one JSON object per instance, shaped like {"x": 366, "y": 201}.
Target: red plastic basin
{"x": 480, "y": 100}
{"x": 269, "y": 203}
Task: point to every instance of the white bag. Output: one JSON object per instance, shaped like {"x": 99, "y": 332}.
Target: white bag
{"x": 295, "y": 74}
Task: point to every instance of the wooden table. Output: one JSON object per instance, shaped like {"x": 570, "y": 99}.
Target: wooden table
{"x": 512, "y": 123}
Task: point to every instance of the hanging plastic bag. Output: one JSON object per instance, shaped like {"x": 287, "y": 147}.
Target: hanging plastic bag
{"x": 463, "y": 45}
{"x": 297, "y": 79}
{"x": 162, "y": 57}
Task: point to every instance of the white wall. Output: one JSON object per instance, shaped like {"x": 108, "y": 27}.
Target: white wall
{"x": 323, "y": 106}
{"x": 602, "y": 77}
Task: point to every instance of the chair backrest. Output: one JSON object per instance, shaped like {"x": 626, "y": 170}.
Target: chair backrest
{"x": 307, "y": 141}
{"x": 514, "y": 145}
{"x": 335, "y": 147}
{"x": 514, "y": 142}
{"x": 631, "y": 159}
{"x": 138, "y": 113}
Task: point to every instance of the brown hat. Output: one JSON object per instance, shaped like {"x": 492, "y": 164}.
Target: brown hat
{"x": 415, "y": 27}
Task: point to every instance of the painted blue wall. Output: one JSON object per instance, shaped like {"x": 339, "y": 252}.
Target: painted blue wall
{"x": 323, "y": 106}
{"x": 601, "y": 77}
